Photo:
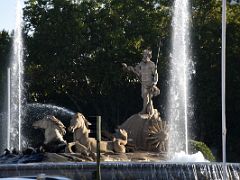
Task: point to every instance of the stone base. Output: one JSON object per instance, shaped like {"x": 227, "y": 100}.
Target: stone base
{"x": 79, "y": 157}
{"x": 146, "y": 133}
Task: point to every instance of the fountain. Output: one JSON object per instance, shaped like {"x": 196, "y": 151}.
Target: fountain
{"x": 179, "y": 104}
{"x": 16, "y": 85}
{"x": 36, "y": 111}
{"x": 149, "y": 134}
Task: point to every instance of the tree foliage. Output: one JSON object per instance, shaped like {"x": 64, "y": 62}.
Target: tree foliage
{"x": 74, "y": 51}
{"x": 206, "y": 37}
{"x": 5, "y": 43}
{"x": 77, "y": 49}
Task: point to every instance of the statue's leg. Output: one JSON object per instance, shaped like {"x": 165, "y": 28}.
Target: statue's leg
{"x": 150, "y": 109}
{"x": 69, "y": 146}
{"x": 146, "y": 98}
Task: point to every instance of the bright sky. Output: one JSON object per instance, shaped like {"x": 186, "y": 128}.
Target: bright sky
{"x": 7, "y": 14}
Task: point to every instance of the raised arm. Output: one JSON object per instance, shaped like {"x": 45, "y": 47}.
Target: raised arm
{"x": 135, "y": 70}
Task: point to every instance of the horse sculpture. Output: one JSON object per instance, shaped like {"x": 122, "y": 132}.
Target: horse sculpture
{"x": 54, "y": 129}
{"x": 79, "y": 128}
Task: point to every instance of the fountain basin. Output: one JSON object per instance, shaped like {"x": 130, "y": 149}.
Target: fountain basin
{"x": 125, "y": 170}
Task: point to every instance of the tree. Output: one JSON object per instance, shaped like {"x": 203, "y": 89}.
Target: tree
{"x": 5, "y": 46}
{"x": 206, "y": 37}
{"x": 75, "y": 50}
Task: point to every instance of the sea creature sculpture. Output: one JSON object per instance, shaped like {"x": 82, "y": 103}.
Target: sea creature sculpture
{"x": 79, "y": 128}
{"x": 54, "y": 130}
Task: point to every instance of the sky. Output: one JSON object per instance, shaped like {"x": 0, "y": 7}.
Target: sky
{"x": 7, "y": 14}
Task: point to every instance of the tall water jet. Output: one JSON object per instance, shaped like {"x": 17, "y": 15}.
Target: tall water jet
{"x": 180, "y": 71}
{"x": 8, "y": 107}
{"x": 16, "y": 82}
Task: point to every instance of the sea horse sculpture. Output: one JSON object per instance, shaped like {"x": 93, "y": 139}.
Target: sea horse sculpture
{"x": 79, "y": 128}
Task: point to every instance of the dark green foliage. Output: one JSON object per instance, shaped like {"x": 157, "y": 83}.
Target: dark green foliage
{"x": 74, "y": 53}
{"x": 77, "y": 50}
{"x": 5, "y": 43}
{"x": 206, "y": 37}
{"x": 203, "y": 148}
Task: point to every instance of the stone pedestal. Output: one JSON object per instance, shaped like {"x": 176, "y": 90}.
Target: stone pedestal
{"x": 146, "y": 133}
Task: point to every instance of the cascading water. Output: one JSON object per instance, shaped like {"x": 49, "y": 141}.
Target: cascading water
{"x": 125, "y": 170}
{"x": 16, "y": 95}
{"x": 180, "y": 71}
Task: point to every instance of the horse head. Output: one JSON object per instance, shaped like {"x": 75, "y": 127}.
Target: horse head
{"x": 78, "y": 122}
{"x": 50, "y": 121}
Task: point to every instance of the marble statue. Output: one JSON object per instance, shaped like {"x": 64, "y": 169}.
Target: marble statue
{"x": 147, "y": 131}
{"x": 146, "y": 72}
{"x": 79, "y": 128}
{"x": 54, "y": 130}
